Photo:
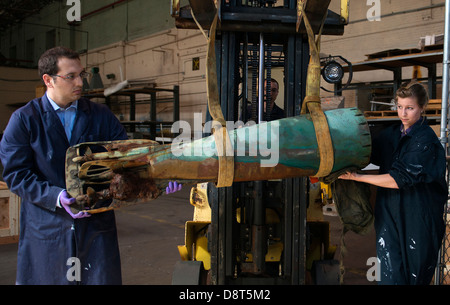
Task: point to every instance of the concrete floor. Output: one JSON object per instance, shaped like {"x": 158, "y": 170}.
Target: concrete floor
{"x": 150, "y": 233}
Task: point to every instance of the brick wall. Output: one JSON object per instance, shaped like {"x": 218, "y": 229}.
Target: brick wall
{"x": 402, "y": 24}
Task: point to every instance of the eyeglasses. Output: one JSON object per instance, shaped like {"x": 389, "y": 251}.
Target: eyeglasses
{"x": 72, "y": 76}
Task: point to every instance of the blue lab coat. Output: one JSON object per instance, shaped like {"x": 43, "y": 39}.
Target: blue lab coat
{"x": 409, "y": 221}
{"x": 52, "y": 245}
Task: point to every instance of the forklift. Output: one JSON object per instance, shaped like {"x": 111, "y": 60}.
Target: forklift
{"x": 259, "y": 232}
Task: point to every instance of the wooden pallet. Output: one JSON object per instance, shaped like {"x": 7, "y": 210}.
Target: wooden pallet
{"x": 434, "y": 104}
{"x": 392, "y": 52}
{"x": 400, "y": 52}
{"x": 9, "y": 215}
{"x": 389, "y": 114}
{"x": 433, "y": 109}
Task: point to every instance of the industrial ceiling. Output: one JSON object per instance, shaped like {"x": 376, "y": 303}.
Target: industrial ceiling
{"x": 14, "y": 11}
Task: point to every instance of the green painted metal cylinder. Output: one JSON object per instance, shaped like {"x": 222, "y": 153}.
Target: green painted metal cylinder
{"x": 136, "y": 170}
{"x": 278, "y": 149}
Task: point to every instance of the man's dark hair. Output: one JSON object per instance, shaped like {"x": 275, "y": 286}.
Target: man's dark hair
{"x": 273, "y": 80}
{"x": 48, "y": 63}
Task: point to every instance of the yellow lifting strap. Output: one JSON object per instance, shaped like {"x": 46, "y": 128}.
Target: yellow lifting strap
{"x": 311, "y": 102}
{"x": 324, "y": 142}
{"x": 224, "y": 148}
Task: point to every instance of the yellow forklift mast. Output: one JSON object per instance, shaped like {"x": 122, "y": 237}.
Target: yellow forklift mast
{"x": 272, "y": 231}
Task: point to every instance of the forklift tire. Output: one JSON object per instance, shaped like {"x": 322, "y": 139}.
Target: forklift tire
{"x": 187, "y": 273}
{"x": 326, "y": 272}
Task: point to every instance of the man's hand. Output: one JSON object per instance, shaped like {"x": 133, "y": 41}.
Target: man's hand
{"x": 173, "y": 187}
{"x": 66, "y": 201}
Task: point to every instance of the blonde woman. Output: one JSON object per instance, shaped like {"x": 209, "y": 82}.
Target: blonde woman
{"x": 412, "y": 192}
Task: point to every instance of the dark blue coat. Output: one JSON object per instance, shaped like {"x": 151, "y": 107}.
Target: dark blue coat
{"x": 409, "y": 221}
{"x": 276, "y": 114}
{"x": 32, "y": 151}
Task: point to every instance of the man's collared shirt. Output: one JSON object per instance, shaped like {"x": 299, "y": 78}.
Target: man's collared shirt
{"x": 67, "y": 115}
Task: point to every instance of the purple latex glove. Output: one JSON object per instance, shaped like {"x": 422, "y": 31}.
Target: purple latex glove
{"x": 66, "y": 201}
{"x": 173, "y": 187}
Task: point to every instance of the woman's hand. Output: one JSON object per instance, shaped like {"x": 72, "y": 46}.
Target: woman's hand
{"x": 349, "y": 176}
{"x": 384, "y": 180}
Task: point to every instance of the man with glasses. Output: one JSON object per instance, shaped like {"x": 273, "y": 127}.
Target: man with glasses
{"x": 55, "y": 245}
{"x": 276, "y": 112}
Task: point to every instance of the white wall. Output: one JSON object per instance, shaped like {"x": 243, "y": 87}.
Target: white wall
{"x": 402, "y": 24}
{"x": 17, "y": 86}
{"x": 164, "y": 59}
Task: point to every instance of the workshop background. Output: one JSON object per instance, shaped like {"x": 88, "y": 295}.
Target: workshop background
{"x": 137, "y": 41}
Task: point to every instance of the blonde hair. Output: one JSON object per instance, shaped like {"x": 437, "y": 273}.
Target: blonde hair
{"x": 415, "y": 90}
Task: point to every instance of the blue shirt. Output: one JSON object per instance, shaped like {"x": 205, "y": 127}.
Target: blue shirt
{"x": 67, "y": 115}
